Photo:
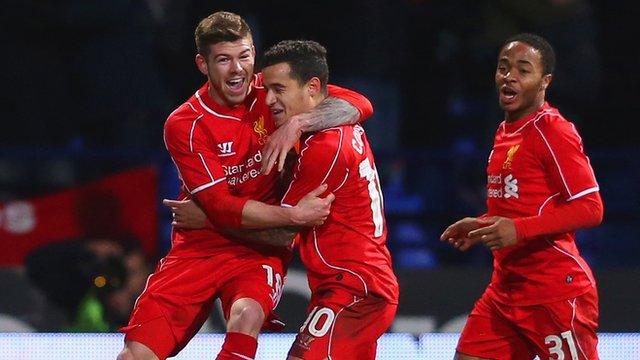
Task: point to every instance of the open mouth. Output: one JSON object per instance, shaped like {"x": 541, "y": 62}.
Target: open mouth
{"x": 277, "y": 112}
{"x": 507, "y": 94}
{"x": 235, "y": 84}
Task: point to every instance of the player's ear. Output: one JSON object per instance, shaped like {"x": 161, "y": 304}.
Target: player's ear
{"x": 314, "y": 86}
{"x": 546, "y": 81}
{"x": 201, "y": 63}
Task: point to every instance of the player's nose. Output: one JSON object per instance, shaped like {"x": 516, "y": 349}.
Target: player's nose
{"x": 235, "y": 66}
{"x": 271, "y": 98}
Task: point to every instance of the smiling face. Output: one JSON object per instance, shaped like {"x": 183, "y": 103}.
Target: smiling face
{"x": 229, "y": 68}
{"x": 286, "y": 96}
{"x": 520, "y": 80}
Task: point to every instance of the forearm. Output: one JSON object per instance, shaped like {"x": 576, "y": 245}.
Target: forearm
{"x": 228, "y": 212}
{"x": 329, "y": 113}
{"x": 222, "y": 209}
{"x": 275, "y": 237}
{"x": 581, "y": 213}
{"x": 257, "y": 215}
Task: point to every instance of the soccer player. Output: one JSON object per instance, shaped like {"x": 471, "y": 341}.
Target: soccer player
{"x": 354, "y": 290}
{"x": 215, "y": 139}
{"x": 542, "y": 298}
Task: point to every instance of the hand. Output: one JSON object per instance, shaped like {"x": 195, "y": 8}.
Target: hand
{"x": 498, "y": 232}
{"x": 457, "y": 234}
{"x": 186, "y": 214}
{"x": 313, "y": 210}
{"x": 280, "y": 142}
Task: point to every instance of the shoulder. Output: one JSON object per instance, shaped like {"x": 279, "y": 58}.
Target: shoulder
{"x": 557, "y": 135}
{"x": 181, "y": 121}
{"x": 554, "y": 125}
{"x": 323, "y": 143}
{"x": 327, "y": 138}
{"x": 185, "y": 112}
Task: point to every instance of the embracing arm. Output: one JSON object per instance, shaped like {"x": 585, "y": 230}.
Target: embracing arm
{"x": 244, "y": 219}
{"x": 341, "y": 107}
{"x": 329, "y": 113}
{"x": 276, "y": 237}
{"x": 226, "y": 211}
{"x": 188, "y": 215}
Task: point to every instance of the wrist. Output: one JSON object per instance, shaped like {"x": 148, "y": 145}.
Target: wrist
{"x": 521, "y": 228}
{"x": 298, "y": 125}
{"x": 290, "y": 215}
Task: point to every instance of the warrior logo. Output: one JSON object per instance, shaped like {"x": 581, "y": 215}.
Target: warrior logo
{"x": 258, "y": 127}
{"x": 510, "y": 154}
{"x": 226, "y": 148}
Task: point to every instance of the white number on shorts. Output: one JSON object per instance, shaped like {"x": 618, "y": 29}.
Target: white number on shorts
{"x": 371, "y": 174}
{"x": 314, "y": 318}
{"x": 274, "y": 280}
{"x": 556, "y": 348}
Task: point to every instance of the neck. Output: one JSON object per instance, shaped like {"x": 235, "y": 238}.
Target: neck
{"x": 521, "y": 113}
{"x": 316, "y": 100}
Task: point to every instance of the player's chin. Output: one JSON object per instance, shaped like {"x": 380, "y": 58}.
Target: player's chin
{"x": 509, "y": 106}
{"x": 235, "y": 98}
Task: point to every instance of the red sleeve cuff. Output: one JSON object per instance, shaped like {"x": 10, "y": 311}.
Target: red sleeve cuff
{"x": 223, "y": 209}
{"x": 521, "y": 228}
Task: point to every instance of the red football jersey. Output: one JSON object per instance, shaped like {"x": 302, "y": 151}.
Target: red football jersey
{"x": 538, "y": 163}
{"x": 215, "y": 145}
{"x": 349, "y": 250}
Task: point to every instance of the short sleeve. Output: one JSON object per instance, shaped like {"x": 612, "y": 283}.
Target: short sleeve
{"x": 192, "y": 153}
{"x": 563, "y": 155}
{"x": 320, "y": 162}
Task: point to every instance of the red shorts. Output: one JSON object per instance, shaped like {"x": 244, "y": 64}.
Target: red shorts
{"x": 560, "y": 330}
{"x": 180, "y": 294}
{"x": 342, "y": 326}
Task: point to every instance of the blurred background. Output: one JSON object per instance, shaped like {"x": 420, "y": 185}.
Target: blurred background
{"x": 87, "y": 86}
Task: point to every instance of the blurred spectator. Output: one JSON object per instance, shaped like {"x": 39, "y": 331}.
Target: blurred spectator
{"x": 94, "y": 282}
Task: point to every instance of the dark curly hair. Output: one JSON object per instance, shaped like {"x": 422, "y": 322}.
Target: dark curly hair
{"x": 306, "y": 58}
